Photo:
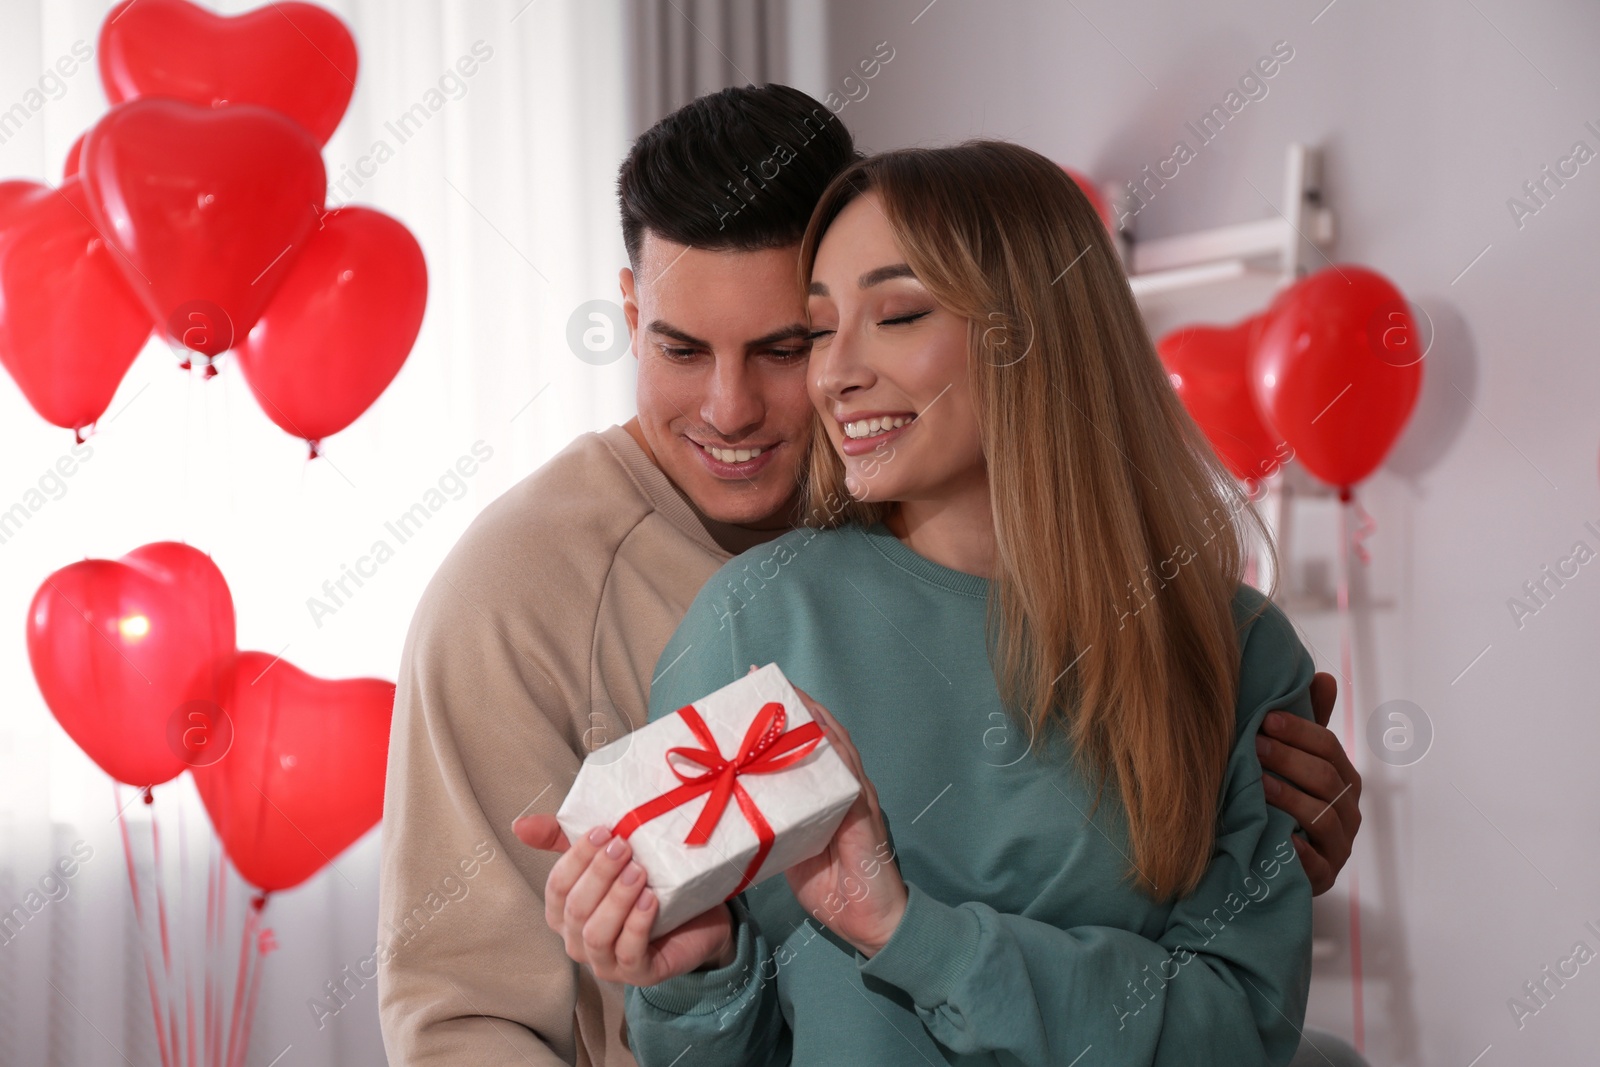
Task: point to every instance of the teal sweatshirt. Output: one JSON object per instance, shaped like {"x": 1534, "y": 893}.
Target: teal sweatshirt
{"x": 1022, "y": 941}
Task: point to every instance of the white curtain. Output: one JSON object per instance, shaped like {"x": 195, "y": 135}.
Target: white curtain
{"x": 509, "y": 186}
{"x": 682, "y": 49}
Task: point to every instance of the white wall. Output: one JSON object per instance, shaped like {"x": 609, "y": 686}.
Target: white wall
{"x": 1476, "y": 864}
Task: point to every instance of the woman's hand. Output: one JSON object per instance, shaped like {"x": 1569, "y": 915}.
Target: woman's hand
{"x": 597, "y": 900}
{"x": 853, "y": 886}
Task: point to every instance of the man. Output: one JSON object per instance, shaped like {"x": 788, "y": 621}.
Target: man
{"x": 536, "y": 642}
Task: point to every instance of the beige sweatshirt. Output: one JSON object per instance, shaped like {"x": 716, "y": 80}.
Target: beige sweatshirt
{"x": 533, "y": 645}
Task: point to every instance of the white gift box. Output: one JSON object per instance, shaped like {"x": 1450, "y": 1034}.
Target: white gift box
{"x": 803, "y": 802}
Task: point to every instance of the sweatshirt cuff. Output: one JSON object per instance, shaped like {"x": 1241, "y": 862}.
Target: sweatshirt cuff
{"x": 705, "y": 992}
{"x": 929, "y": 952}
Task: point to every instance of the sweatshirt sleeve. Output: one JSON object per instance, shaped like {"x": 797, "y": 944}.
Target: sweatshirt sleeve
{"x": 730, "y": 1016}
{"x": 1224, "y": 982}
{"x": 468, "y": 971}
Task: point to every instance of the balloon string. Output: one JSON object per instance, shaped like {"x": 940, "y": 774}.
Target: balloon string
{"x": 246, "y": 944}
{"x": 263, "y": 945}
{"x": 164, "y": 973}
{"x": 1347, "y": 669}
{"x": 185, "y": 457}
{"x": 222, "y": 925}
{"x": 1366, "y": 527}
{"x": 221, "y": 930}
{"x": 187, "y": 946}
{"x": 238, "y": 989}
{"x": 227, "y": 449}
{"x": 211, "y": 918}
{"x": 249, "y": 1011}
{"x": 158, "y": 880}
{"x": 144, "y": 935}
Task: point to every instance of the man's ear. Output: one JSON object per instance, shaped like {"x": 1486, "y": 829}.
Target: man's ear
{"x": 630, "y": 305}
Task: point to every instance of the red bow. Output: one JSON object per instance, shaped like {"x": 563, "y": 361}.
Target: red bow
{"x": 767, "y": 747}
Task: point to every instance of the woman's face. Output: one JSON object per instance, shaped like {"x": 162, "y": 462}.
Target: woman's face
{"x": 888, "y": 369}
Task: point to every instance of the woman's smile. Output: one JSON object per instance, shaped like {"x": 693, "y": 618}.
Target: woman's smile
{"x": 865, "y": 431}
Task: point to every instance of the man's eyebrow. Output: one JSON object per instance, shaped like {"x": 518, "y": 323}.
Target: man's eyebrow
{"x": 869, "y": 279}
{"x": 668, "y": 330}
{"x": 795, "y": 331}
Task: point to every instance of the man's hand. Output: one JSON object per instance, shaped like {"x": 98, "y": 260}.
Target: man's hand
{"x": 541, "y": 832}
{"x": 1321, "y": 788}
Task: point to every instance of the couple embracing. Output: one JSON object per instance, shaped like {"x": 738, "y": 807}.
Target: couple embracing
{"x": 914, "y": 390}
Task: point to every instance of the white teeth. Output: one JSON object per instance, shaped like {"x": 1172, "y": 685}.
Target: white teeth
{"x": 869, "y": 427}
{"x": 732, "y": 455}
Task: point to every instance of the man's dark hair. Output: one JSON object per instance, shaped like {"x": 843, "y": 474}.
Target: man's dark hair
{"x": 736, "y": 170}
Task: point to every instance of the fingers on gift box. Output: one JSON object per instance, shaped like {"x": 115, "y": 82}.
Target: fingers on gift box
{"x": 720, "y": 795}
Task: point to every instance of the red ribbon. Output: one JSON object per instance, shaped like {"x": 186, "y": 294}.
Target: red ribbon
{"x": 767, "y": 747}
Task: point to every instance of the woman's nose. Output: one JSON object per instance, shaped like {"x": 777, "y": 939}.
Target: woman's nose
{"x": 837, "y": 368}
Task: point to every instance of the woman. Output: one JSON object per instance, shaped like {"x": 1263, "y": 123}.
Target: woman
{"x": 1020, "y": 595}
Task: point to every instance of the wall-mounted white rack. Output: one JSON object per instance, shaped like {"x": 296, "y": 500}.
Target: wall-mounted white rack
{"x": 1268, "y": 253}
{"x": 1281, "y": 248}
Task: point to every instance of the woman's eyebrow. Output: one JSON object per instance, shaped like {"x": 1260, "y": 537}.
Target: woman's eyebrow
{"x": 869, "y": 279}
{"x": 883, "y": 274}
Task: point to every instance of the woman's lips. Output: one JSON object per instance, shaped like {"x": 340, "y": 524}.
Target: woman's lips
{"x": 860, "y": 446}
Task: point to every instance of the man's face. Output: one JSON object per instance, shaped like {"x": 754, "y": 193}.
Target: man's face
{"x": 721, "y": 342}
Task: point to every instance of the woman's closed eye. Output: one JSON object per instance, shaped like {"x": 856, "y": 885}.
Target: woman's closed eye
{"x": 901, "y": 320}
{"x": 897, "y": 320}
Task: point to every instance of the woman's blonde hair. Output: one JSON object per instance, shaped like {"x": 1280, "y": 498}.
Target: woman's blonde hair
{"x": 1120, "y": 536}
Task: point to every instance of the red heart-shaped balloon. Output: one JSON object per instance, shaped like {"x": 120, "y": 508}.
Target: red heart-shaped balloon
{"x": 208, "y": 209}
{"x": 1098, "y": 202}
{"x": 69, "y": 166}
{"x": 13, "y": 194}
{"x": 1337, "y": 370}
{"x": 1209, "y": 367}
{"x": 119, "y": 647}
{"x": 340, "y": 326}
{"x": 303, "y": 778}
{"x": 69, "y": 326}
{"x": 297, "y": 59}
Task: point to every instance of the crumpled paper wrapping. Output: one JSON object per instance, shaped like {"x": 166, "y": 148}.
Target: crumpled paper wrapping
{"x": 804, "y": 803}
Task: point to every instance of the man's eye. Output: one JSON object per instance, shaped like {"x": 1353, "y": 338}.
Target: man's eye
{"x": 902, "y": 319}
{"x": 677, "y": 353}
{"x": 790, "y": 353}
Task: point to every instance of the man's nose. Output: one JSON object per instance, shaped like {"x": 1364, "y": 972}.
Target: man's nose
{"x": 733, "y": 405}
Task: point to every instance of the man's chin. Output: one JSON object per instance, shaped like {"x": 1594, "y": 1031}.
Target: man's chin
{"x": 763, "y": 499}
{"x": 759, "y": 504}
{"x": 756, "y": 511}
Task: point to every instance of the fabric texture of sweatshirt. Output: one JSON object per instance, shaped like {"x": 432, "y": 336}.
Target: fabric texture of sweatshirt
{"x": 1022, "y": 942}
{"x": 534, "y": 644}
